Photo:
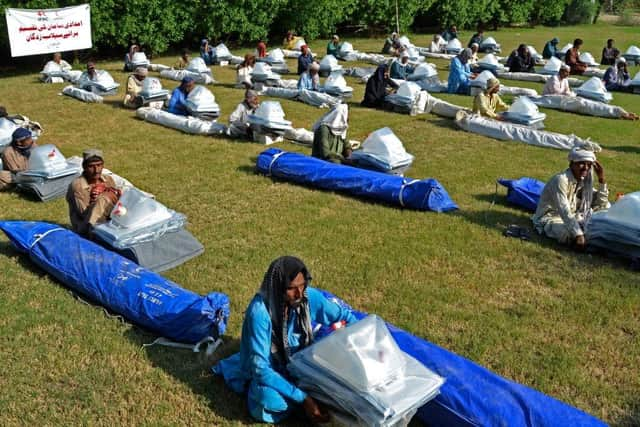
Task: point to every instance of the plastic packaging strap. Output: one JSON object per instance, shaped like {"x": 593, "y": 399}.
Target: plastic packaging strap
{"x": 273, "y": 160}
{"x": 210, "y": 347}
{"x": 41, "y": 236}
{"x": 404, "y": 185}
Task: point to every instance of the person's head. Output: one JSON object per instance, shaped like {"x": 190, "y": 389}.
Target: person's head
{"x": 335, "y": 39}
{"x": 314, "y": 68}
{"x": 304, "y": 49}
{"x": 453, "y": 29}
{"x": 475, "y": 47}
{"x": 57, "y": 57}
{"x": 555, "y": 41}
{"x": 580, "y": 161}
{"x": 621, "y": 63}
{"x": 3, "y": 111}
{"x": 91, "y": 68}
{"x": 465, "y": 55}
{"x": 522, "y": 50}
{"x": 394, "y": 36}
{"x": 92, "y": 164}
{"x": 577, "y": 43}
{"x": 184, "y": 54}
{"x": 21, "y": 139}
{"x": 251, "y": 98}
{"x": 564, "y": 71}
{"x": 134, "y": 48}
{"x": 204, "y": 42}
{"x": 187, "y": 84}
{"x": 493, "y": 86}
{"x": 249, "y": 60}
{"x": 141, "y": 73}
{"x": 480, "y": 32}
{"x": 404, "y": 57}
{"x": 610, "y": 43}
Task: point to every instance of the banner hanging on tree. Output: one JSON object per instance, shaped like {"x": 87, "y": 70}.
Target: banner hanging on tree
{"x": 34, "y": 32}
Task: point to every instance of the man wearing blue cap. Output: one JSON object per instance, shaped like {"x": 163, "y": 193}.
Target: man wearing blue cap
{"x": 15, "y": 158}
{"x": 177, "y": 103}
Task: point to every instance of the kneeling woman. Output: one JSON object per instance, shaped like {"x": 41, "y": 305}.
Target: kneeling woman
{"x": 277, "y": 324}
{"x": 330, "y": 136}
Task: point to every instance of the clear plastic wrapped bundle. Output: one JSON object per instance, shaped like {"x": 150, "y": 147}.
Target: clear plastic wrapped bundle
{"x": 489, "y": 45}
{"x": 328, "y": 65}
{"x": 269, "y": 118}
{"x": 383, "y": 151}
{"x": 453, "y": 47}
{"x": 618, "y": 228}
{"x": 201, "y": 103}
{"x": 552, "y": 67}
{"x": 336, "y": 85}
{"x": 152, "y": 91}
{"x": 103, "y": 84}
{"x": 524, "y": 112}
{"x": 139, "y": 59}
{"x": 594, "y": 89}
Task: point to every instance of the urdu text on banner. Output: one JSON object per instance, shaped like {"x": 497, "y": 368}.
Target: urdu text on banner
{"x": 38, "y": 31}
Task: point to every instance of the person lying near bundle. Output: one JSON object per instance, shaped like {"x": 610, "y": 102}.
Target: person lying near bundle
{"x": 92, "y": 196}
{"x": 569, "y": 197}
{"x": 177, "y": 102}
{"x": 15, "y": 158}
{"x": 277, "y": 324}
{"x": 239, "y": 126}
{"x": 330, "y": 136}
{"x": 487, "y": 103}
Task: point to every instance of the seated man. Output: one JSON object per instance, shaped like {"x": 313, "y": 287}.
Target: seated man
{"x": 400, "y": 68}
{"x": 550, "y": 48}
{"x": 179, "y": 96}
{"x": 134, "y": 86}
{"x": 437, "y": 44}
{"x": 128, "y": 58}
{"x": 277, "y": 324}
{"x": 609, "y": 53}
{"x": 92, "y": 196}
{"x": 261, "y": 49}
{"x": 476, "y": 38}
{"x": 310, "y": 79}
{"x": 183, "y": 61}
{"x": 521, "y": 61}
{"x": 473, "y": 60}
{"x": 450, "y": 34}
{"x": 460, "y": 73}
{"x": 391, "y": 44}
{"x": 487, "y": 103}
{"x": 243, "y": 74}
{"x": 305, "y": 59}
{"x": 617, "y": 78}
{"x": 572, "y": 58}
{"x": 333, "y": 47}
{"x": 378, "y": 86}
{"x": 569, "y": 197}
{"x": 57, "y": 64}
{"x": 239, "y": 126}
{"x": 15, "y": 158}
{"x": 206, "y": 51}
{"x": 330, "y": 136}
{"x": 559, "y": 84}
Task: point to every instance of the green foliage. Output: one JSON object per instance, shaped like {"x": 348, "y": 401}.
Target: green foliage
{"x": 580, "y": 12}
{"x": 311, "y": 19}
{"x": 382, "y": 13}
{"x": 548, "y": 12}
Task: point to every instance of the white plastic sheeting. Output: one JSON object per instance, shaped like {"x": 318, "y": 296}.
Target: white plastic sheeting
{"x": 594, "y": 72}
{"x": 562, "y": 52}
{"x": 329, "y": 64}
{"x": 221, "y": 53}
{"x": 490, "y": 62}
{"x": 361, "y": 372}
{"x": 317, "y": 99}
{"x": 576, "y": 104}
{"x": 202, "y": 103}
{"x": 535, "y": 77}
{"x": 336, "y": 85}
{"x": 299, "y": 135}
{"x": 513, "y": 132}
{"x": 632, "y": 54}
{"x": 262, "y": 74}
{"x": 534, "y": 54}
{"x": 423, "y": 71}
{"x": 54, "y": 73}
{"x": 453, "y": 47}
{"x": 185, "y": 124}
{"x": 82, "y": 95}
{"x": 617, "y": 229}
{"x": 46, "y": 161}
{"x": 178, "y": 75}
{"x": 490, "y": 44}
{"x": 588, "y": 59}
{"x": 480, "y": 83}
{"x": 524, "y": 112}
{"x": 6, "y": 131}
{"x": 152, "y": 91}
{"x": 635, "y": 83}
{"x": 269, "y": 118}
{"x": 594, "y": 89}
{"x": 409, "y": 98}
{"x": 139, "y": 59}
{"x": 383, "y": 151}
{"x": 104, "y": 84}
{"x": 551, "y": 67}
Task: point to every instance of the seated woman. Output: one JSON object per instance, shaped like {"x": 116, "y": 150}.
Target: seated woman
{"x": 378, "y": 85}
{"x": 572, "y": 58}
{"x": 277, "y": 324}
{"x": 330, "y": 136}
{"x": 206, "y": 51}
{"x": 400, "y": 68}
{"x": 310, "y": 79}
{"x": 128, "y": 58}
{"x": 550, "y": 48}
{"x": 559, "y": 84}
{"x": 617, "y": 78}
{"x": 261, "y": 49}
{"x": 333, "y": 47}
{"x": 15, "y": 158}
{"x": 134, "y": 87}
{"x": 177, "y": 102}
{"x": 477, "y": 38}
{"x": 243, "y": 74}
{"x": 488, "y": 102}
{"x": 609, "y": 53}
{"x": 239, "y": 126}
{"x": 183, "y": 61}
{"x": 290, "y": 41}
{"x": 460, "y": 73}
{"x": 521, "y": 61}
{"x": 391, "y": 44}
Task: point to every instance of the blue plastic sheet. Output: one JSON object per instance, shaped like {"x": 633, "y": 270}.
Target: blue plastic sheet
{"x": 475, "y": 396}
{"x": 143, "y": 297}
{"x": 524, "y": 192}
{"x": 423, "y": 195}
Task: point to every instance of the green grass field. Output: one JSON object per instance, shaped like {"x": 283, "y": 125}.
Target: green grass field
{"x": 564, "y": 323}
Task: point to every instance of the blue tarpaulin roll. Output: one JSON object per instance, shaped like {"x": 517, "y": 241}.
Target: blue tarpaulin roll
{"x": 423, "y": 195}
{"x": 474, "y": 396}
{"x": 524, "y": 192}
{"x": 141, "y": 296}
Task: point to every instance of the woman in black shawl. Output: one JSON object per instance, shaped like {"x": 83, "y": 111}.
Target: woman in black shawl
{"x": 377, "y": 87}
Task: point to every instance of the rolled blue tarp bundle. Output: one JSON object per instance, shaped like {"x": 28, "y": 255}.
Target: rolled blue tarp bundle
{"x": 423, "y": 195}
{"x": 143, "y": 297}
{"x": 524, "y": 192}
{"x": 473, "y": 396}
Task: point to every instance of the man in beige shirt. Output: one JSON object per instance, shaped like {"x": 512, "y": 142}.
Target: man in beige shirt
{"x": 134, "y": 87}
{"x": 488, "y": 102}
{"x": 91, "y": 196}
{"x": 15, "y": 158}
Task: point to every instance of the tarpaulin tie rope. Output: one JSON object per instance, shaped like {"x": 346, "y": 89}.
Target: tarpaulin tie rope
{"x": 404, "y": 185}
{"x": 43, "y": 235}
{"x": 211, "y": 344}
{"x": 273, "y": 160}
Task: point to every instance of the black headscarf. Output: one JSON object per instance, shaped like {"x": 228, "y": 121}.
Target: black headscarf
{"x": 377, "y": 88}
{"x": 274, "y": 286}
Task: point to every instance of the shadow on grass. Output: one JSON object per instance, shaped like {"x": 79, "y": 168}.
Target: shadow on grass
{"x": 444, "y": 123}
{"x": 631, "y": 419}
{"x": 626, "y": 149}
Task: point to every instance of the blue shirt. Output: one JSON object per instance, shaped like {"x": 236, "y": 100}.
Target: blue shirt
{"x": 459, "y": 75}
{"x": 255, "y": 363}
{"x": 306, "y": 82}
{"x": 177, "y": 102}
{"x": 303, "y": 62}
{"x": 400, "y": 71}
{"x": 207, "y": 55}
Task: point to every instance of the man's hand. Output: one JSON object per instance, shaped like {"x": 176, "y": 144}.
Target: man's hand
{"x": 112, "y": 196}
{"x": 313, "y": 411}
{"x": 581, "y": 242}
{"x": 599, "y": 171}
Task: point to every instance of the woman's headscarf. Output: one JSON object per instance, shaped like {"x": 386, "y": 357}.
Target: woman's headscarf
{"x": 337, "y": 120}
{"x": 465, "y": 55}
{"x": 261, "y": 49}
{"x": 274, "y": 286}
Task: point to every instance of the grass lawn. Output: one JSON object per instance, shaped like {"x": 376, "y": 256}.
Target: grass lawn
{"x": 564, "y": 323}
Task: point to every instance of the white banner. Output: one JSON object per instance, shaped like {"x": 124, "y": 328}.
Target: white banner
{"x": 34, "y": 32}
